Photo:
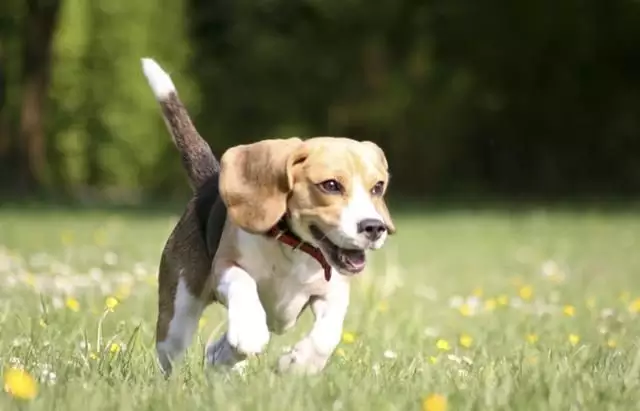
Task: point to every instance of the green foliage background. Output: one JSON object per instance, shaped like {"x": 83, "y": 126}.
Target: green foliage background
{"x": 497, "y": 97}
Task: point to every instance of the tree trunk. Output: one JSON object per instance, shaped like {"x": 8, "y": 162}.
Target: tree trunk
{"x": 40, "y": 25}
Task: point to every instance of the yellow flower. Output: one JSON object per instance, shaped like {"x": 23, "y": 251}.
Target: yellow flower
{"x": 93, "y": 356}
{"x": 574, "y": 339}
{"x": 383, "y": 306}
{"x": 66, "y": 238}
{"x": 123, "y": 292}
{"x": 111, "y": 303}
{"x": 490, "y": 304}
{"x": 634, "y": 307}
{"x": 20, "y": 384}
{"x": 434, "y": 402}
{"x": 465, "y": 310}
{"x": 624, "y": 296}
{"x": 466, "y": 340}
{"x": 30, "y": 280}
{"x": 443, "y": 345}
{"x": 526, "y": 292}
{"x": 72, "y": 304}
{"x": 503, "y": 300}
{"x": 532, "y": 338}
{"x": 100, "y": 237}
{"x": 611, "y": 343}
{"x": 433, "y": 359}
{"x": 569, "y": 310}
{"x": 114, "y": 348}
{"x": 348, "y": 338}
{"x": 477, "y": 292}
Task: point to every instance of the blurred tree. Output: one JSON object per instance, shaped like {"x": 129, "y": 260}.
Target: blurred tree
{"x": 498, "y": 97}
{"x": 39, "y": 28}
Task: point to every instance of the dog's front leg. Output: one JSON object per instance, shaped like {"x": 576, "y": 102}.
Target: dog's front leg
{"x": 310, "y": 355}
{"x": 247, "y": 331}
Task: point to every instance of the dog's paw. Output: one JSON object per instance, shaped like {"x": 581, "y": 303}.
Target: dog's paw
{"x": 303, "y": 358}
{"x": 248, "y": 333}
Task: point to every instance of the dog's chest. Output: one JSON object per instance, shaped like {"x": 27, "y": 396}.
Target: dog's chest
{"x": 286, "y": 279}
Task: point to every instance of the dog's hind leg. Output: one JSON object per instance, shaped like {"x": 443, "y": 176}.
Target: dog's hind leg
{"x": 179, "y": 314}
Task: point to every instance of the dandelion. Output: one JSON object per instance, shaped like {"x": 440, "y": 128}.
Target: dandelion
{"x": 66, "y": 238}
{"x": 466, "y": 340}
{"x": 348, "y": 338}
{"x": 20, "y": 384}
{"x": 114, "y": 348}
{"x": 434, "y": 402}
{"x": 574, "y": 339}
{"x": 634, "y": 307}
{"x": 123, "y": 292}
{"x": 611, "y": 343}
{"x": 72, "y": 304}
{"x": 465, "y": 310}
{"x": 503, "y": 300}
{"x": 477, "y": 292}
{"x": 100, "y": 237}
{"x": 383, "y": 306}
{"x": 93, "y": 356}
{"x": 569, "y": 310}
{"x": 526, "y": 292}
{"x": 490, "y": 304}
{"x": 443, "y": 345}
{"x": 433, "y": 359}
{"x": 532, "y": 338}
{"x": 111, "y": 303}
{"x": 624, "y": 296}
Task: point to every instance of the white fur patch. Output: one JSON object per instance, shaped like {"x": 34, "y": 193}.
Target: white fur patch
{"x": 311, "y": 354}
{"x": 158, "y": 79}
{"x": 186, "y": 314}
{"x": 248, "y": 332}
{"x": 360, "y": 207}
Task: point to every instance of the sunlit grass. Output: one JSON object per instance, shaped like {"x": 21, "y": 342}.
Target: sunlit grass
{"x": 461, "y": 311}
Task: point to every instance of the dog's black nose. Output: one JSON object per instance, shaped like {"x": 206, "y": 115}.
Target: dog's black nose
{"x": 372, "y": 228}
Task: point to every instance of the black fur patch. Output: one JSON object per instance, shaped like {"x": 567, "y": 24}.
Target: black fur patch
{"x": 211, "y": 213}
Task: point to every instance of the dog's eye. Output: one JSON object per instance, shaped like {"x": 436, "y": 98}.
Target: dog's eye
{"x": 331, "y": 186}
{"x": 378, "y": 188}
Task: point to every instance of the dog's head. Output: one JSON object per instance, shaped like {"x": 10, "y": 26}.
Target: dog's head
{"x": 331, "y": 190}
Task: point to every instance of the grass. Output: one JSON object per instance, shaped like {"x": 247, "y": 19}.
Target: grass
{"x": 526, "y": 310}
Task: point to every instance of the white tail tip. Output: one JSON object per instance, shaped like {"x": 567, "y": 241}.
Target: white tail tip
{"x": 158, "y": 79}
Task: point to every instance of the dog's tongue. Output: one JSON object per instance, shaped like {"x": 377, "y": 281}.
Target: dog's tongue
{"x": 354, "y": 258}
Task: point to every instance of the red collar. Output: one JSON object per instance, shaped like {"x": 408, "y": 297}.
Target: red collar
{"x": 283, "y": 234}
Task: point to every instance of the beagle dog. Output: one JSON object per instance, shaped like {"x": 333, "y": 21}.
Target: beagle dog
{"x": 273, "y": 228}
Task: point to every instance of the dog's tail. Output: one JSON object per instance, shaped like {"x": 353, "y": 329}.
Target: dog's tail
{"x": 197, "y": 157}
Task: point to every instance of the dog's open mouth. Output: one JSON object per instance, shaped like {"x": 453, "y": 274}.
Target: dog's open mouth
{"x": 345, "y": 259}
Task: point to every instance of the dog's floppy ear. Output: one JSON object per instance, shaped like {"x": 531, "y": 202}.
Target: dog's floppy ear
{"x": 380, "y": 204}
{"x": 255, "y": 180}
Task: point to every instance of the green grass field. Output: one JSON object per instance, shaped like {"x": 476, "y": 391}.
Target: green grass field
{"x": 482, "y": 310}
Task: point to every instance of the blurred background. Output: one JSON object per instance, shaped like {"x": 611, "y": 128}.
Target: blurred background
{"x": 493, "y": 98}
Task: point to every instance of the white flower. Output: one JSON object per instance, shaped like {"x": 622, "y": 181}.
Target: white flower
{"x": 390, "y": 354}
{"x": 110, "y": 258}
{"x": 456, "y": 301}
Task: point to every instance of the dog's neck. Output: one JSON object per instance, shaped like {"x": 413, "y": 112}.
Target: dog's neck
{"x": 283, "y": 233}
